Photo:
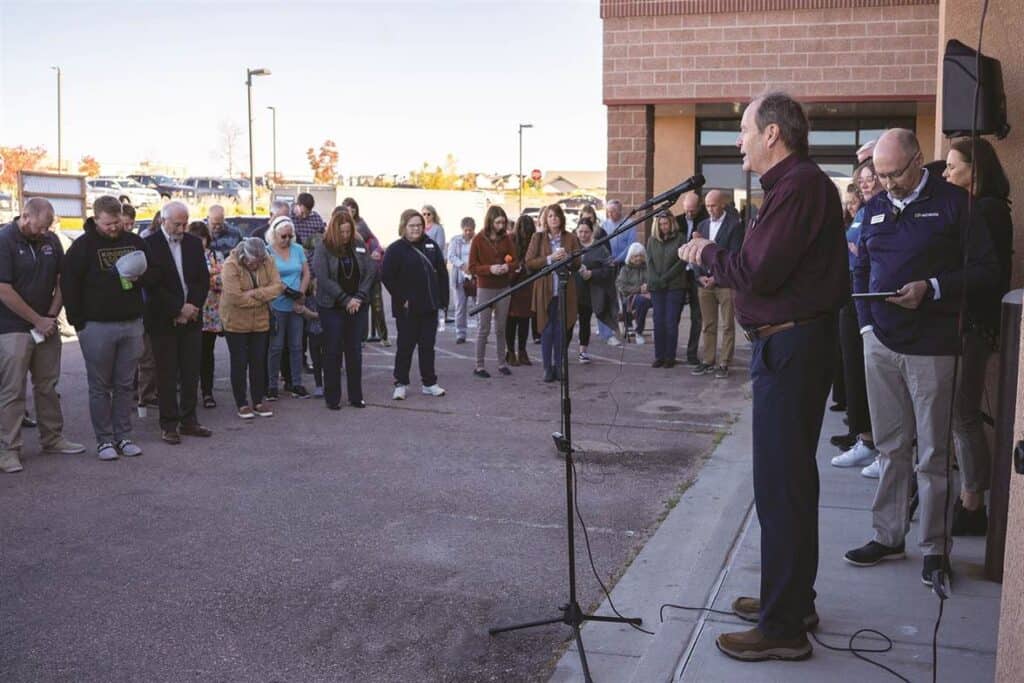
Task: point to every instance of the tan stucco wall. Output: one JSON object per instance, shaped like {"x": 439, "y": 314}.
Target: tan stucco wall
{"x": 1004, "y": 27}
{"x": 675, "y": 151}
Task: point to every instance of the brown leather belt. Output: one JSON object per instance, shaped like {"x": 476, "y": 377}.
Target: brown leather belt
{"x": 766, "y": 331}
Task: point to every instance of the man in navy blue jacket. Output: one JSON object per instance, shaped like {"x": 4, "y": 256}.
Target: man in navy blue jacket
{"x": 912, "y": 243}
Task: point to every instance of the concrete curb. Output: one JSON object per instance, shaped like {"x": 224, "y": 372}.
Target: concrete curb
{"x": 682, "y": 564}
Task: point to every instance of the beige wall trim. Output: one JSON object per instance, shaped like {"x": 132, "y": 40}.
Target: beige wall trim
{"x": 655, "y": 8}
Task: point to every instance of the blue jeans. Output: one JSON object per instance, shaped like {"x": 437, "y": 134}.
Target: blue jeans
{"x": 288, "y": 330}
{"x": 791, "y": 380}
{"x": 668, "y": 307}
{"x": 552, "y": 337}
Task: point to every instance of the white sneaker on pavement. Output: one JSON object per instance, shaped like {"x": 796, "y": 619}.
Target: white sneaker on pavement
{"x": 399, "y": 393}
{"x": 858, "y": 456}
{"x": 872, "y": 471}
{"x": 433, "y": 390}
{"x": 128, "y": 449}
{"x": 614, "y": 341}
{"x": 640, "y": 338}
{"x": 106, "y": 451}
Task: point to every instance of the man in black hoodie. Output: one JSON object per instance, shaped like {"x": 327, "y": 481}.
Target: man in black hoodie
{"x": 106, "y": 310}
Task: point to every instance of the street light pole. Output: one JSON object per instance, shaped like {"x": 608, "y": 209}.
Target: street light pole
{"x": 60, "y": 142}
{"x": 249, "y": 73}
{"x": 273, "y": 115}
{"x": 521, "y": 126}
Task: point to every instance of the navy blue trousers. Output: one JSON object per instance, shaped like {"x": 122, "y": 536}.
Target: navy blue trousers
{"x": 342, "y": 338}
{"x": 792, "y": 373}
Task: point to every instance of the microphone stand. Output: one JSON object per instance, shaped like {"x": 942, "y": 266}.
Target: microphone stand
{"x": 571, "y": 613}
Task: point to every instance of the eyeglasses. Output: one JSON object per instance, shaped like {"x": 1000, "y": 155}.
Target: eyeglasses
{"x": 893, "y": 176}
{"x": 427, "y": 213}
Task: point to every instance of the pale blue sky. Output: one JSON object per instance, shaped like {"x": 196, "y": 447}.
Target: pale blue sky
{"x": 393, "y": 83}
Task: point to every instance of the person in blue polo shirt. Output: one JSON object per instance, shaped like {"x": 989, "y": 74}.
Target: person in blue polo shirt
{"x": 912, "y": 243}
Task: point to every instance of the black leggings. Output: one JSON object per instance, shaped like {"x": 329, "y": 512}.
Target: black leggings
{"x": 517, "y": 330}
{"x": 206, "y": 363}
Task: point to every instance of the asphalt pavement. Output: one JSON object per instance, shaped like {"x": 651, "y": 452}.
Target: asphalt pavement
{"x": 364, "y": 545}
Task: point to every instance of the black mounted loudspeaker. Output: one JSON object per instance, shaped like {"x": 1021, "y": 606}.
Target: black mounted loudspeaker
{"x": 959, "y": 80}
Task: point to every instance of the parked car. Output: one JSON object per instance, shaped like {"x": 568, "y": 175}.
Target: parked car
{"x": 217, "y": 188}
{"x": 6, "y": 208}
{"x": 247, "y": 225}
{"x": 124, "y": 189}
{"x": 166, "y": 186}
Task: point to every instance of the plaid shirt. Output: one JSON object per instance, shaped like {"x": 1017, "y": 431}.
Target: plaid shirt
{"x": 306, "y": 229}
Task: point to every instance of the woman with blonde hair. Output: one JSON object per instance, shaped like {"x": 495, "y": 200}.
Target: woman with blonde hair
{"x": 345, "y": 274}
{"x": 249, "y": 283}
{"x": 666, "y": 280}
{"x": 290, "y": 259}
{"x": 551, "y": 244}
{"x": 415, "y": 274}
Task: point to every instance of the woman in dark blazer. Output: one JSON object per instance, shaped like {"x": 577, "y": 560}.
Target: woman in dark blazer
{"x": 977, "y": 160}
{"x": 345, "y": 274}
{"x": 415, "y": 274}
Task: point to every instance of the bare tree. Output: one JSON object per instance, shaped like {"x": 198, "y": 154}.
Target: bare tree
{"x": 229, "y": 136}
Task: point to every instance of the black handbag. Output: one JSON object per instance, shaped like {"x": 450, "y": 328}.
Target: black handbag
{"x": 469, "y": 287}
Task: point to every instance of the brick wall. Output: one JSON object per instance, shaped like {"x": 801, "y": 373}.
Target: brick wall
{"x": 630, "y": 153}
{"x": 843, "y": 53}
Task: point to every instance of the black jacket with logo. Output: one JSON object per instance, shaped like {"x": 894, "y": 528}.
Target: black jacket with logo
{"x": 90, "y": 284}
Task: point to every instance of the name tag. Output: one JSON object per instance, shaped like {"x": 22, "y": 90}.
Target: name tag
{"x": 878, "y": 218}
{"x": 429, "y": 246}
{"x": 933, "y": 214}
{"x": 360, "y": 250}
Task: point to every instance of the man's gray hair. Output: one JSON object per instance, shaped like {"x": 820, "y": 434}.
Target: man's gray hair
{"x": 169, "y": 207}
{"x": 278, "y": 204}
{"x": 786, "y": 113}
{"x": 250, "y": 249}
{"x": 614, "y": 202}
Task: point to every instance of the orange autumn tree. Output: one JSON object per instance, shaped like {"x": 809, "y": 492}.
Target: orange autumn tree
{"x": 324, "y": 164}
{"x": 19, "y": 158}
{"x": 89, "y": 166}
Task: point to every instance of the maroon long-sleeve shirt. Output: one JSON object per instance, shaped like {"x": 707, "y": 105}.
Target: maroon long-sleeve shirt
{"x": 793, "y": 264}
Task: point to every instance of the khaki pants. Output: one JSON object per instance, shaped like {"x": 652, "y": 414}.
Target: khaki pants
{"x": 19, "y": 355}
{"x": 712, "y": 302}
{"x": 909, "y": 396}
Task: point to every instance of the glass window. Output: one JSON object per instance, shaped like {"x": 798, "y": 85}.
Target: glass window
{"x": 718, "y": 138}
{"x": 869, "y": 134}
{"x": 833, "y": 137}
{"x": 835, "y": 170}
{"x": 723, "y": 175}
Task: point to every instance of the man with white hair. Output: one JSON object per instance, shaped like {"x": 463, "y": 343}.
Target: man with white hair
{"x": 223, "y": 237}
{"x": 173, "y": 318}
{"x": 619, "y": 244}
{"x": 30, "y": 264}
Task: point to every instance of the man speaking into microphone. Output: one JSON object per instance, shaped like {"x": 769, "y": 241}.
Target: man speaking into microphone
{"x": 789, "y": 282}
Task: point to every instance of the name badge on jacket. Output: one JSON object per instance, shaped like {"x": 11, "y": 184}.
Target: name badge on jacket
{"x": 360, "y": 250}
{"x": 429, "y": 246}
{"x": 877, "y": 218}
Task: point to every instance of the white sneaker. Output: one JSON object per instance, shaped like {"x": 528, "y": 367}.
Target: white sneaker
{"x": 614, "y": 341}
{"x": 584, "y": 358}
{"x": 433, "y": 390}
{"x": 640, "y": 338}
{"x": 858, "y": 456}
{"x": 106, "y": 451}
{"x": 128, "y": 449}
{"x": 399, "y": 392}
{"x": 872, "y": 471}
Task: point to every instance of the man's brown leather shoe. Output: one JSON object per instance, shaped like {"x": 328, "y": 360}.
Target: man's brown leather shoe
{"x": 753, "y": 646}
{"x": 749, "y": 609}
{"x": 170, "y": 436}
{"x": 195, "y": 430}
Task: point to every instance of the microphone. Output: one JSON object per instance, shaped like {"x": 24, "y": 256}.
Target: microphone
{"x": 694, "y": 183}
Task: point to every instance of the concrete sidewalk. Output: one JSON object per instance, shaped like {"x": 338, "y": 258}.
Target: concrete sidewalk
{"x": 707, "y": 552}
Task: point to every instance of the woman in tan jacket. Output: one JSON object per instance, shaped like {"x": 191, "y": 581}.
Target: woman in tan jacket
{"x": 551, "y": 243}
{"x": 251, "y": 282}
